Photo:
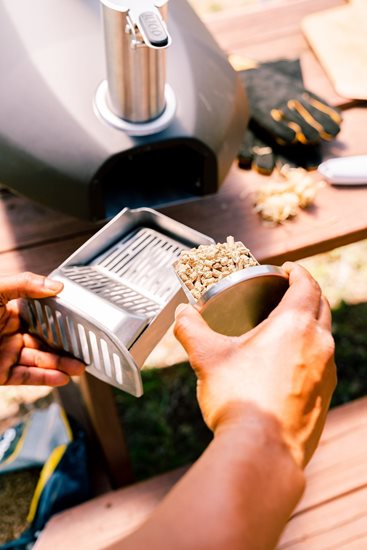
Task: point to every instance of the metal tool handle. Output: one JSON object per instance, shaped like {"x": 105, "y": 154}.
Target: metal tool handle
{"x": 345, "y": 170}
{"x": 136, "y": 38}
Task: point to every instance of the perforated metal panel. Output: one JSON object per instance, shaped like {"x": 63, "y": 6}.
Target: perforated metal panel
{"x": 105, "y": 356}
{"x": 115, "y": 292}
{"x": 135, "y": 274}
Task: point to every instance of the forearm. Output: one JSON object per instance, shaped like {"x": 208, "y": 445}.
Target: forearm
{"x": 238, "y": 495}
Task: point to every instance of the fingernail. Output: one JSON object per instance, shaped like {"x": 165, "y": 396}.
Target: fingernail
{"x": 180, "y": 308}
{"x": 53, "y": 285}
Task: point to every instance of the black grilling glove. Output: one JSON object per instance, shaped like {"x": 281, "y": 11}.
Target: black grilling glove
{"x": 264, "y": 156}
{"x": 286, "y": 119}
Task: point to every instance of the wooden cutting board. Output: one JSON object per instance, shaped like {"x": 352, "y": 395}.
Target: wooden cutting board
{"x": 338, "y": 36}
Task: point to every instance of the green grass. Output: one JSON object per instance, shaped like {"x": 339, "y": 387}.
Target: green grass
{"x": 350, "y": 334}
{"x": 164, "y": 428}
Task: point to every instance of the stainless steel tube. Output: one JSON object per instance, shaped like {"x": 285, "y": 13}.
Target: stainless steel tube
{"x": 135, "y": 62}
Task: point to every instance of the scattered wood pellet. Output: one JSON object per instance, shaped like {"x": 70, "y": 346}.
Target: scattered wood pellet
{"x": 200, "y": 268}
{"x": 277, "y": 201}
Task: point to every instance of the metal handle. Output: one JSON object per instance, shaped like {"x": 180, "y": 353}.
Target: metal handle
{"x": 135, "y": 41}
{"x": 152, "y": 29}
{"x": 345, "y": 170}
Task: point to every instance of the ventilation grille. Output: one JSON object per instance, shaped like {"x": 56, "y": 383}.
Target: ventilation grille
{"x": 80, "y": 340}
{"x": 135, "y": 274}
{"x": 119, "y": 294}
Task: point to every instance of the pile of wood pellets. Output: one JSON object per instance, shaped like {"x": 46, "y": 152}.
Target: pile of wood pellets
{"x": 280, "y": 199}
{"x": 202, "y": 267}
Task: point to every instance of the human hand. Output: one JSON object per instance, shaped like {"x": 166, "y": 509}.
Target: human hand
{"x": 23, "y": 358}
{"x": 284, "y": 366}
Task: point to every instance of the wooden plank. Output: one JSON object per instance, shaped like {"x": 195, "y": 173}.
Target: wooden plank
{"x": 333, "y": 510}
{"x": 341, "y": 523}
{"x": 41, "y": 258}
{"x": 104, "y": 520}
{"x": 349, "y": 416}
{"x": 24, "y": 223}
{"x": 342, "y": 50}
{"x": 339, "y": 464}
{"x": 101, "y": 406}
{"x": 330, "y": 504}
{"x": 337, "y": 469}
{"x": 70, "y": 399}
{"x": 316, "y": 80}
{"x": 239, "y": 28}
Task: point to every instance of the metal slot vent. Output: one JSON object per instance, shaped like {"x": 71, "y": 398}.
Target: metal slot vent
{"x": 85, "y": 341}
{"x": 113, "y": 291}
{"x": 135, "y": 274}
{"x": 143, "y": 261}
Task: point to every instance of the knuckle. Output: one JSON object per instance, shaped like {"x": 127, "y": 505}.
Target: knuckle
{"x": 177, "y": 327}
{"x": 327, "y": 341}
{"x": 301, "y": 321}
{"x": 36, "y": 358}
{"x": 27, "y": 279}
{"x": 26, "y": 376}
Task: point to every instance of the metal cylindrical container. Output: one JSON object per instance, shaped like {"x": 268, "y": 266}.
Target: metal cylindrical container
{"x": 136, "y": 39}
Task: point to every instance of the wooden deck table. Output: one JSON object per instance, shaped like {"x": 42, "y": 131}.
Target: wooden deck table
{"x": 37, "y": 239}
{"x": 330, "y": 516}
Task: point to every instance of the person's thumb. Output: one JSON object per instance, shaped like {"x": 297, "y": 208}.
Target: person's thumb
{"x": 27, "y": 285}
{"x": 192, "y": 331}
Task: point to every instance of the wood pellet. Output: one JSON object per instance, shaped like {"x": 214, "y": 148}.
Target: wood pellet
{"x": 202, "y": 267}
